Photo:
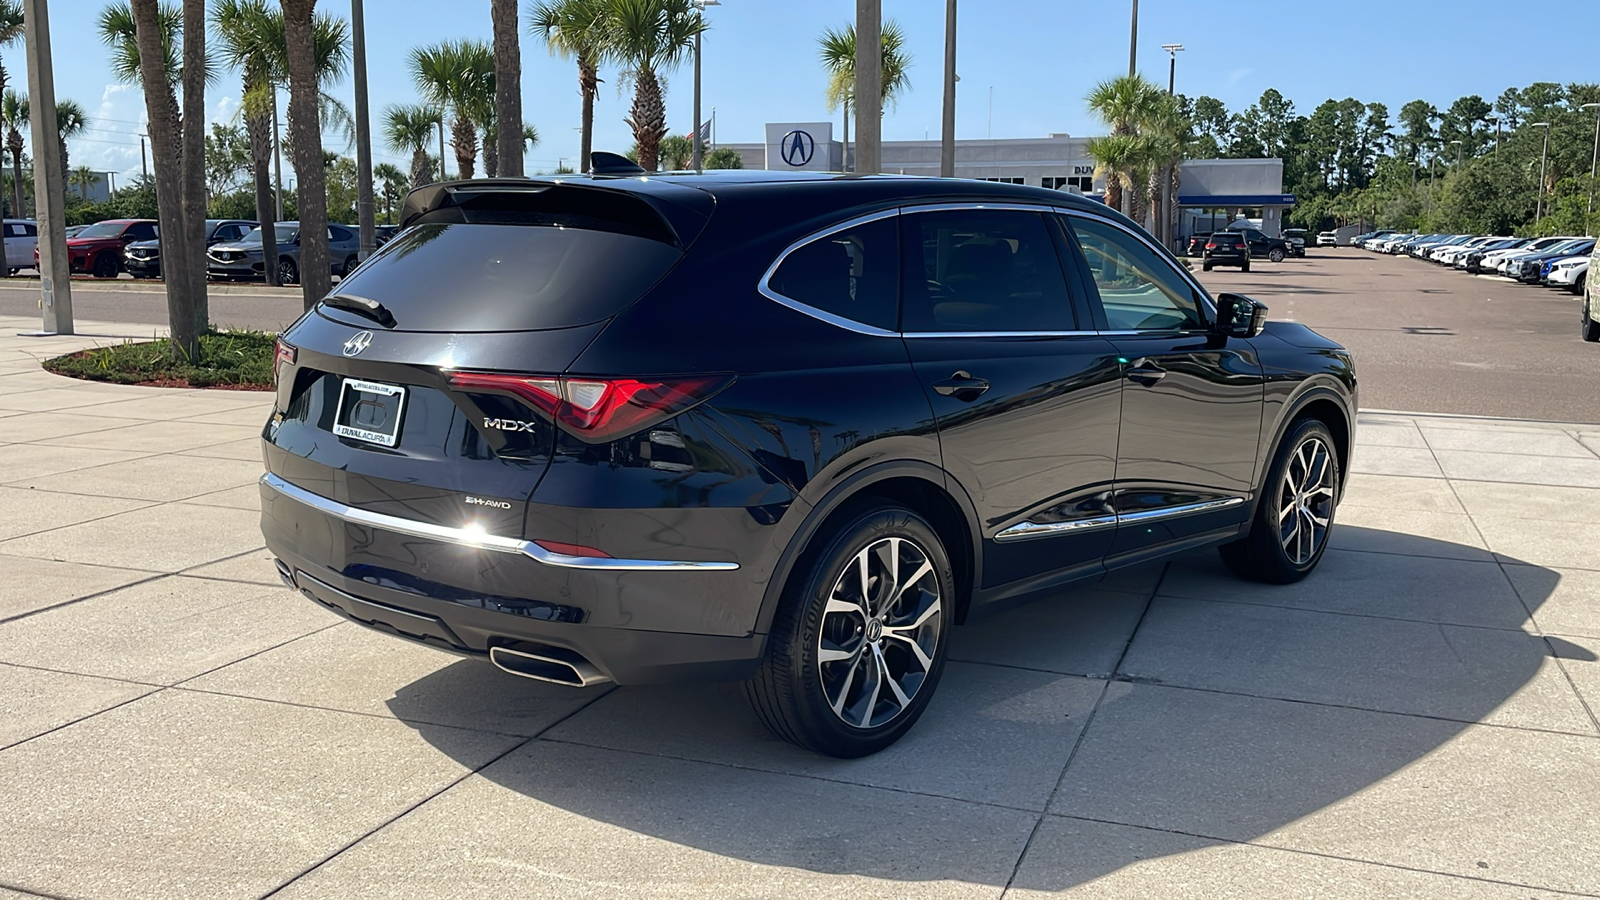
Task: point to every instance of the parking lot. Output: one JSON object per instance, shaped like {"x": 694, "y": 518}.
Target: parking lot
{"x": 1415, "y": 720}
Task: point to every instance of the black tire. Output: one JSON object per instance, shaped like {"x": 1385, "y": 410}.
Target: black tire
{"x": 288, "y": 272}
{"x": 1275, "y": 255}
{"x": 791, "y": 690}
{"x": 1264, "y": 553}
{"x": 1245, "y": 267}
{"x": 105, "y": 266}
{"x": 350, "y": 266}
{"x": 1206, "y": 266}
{"x": 1591, "y": 328}
{"x": 1577, "y": 286}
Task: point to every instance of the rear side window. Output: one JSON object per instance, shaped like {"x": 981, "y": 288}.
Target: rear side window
{"x": 141, "y": 231}
{"x": 983, "y": 271}
{"x": 470, "y": 277}
{"x": 853, "y": 274}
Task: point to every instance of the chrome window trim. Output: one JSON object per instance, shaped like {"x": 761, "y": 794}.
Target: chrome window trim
{"x": 1026, "y": 530}
{"x": 766, "y": 290}
{"x": 466, "y": 537}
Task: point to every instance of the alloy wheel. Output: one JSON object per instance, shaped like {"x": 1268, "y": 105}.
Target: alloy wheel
{"x": 879, "y": 633}
{"x": 1305, "y": 506}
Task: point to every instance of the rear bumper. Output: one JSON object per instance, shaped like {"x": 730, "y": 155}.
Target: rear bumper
{"x": 327, "y": 551}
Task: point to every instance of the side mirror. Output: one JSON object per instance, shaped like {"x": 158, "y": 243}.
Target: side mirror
{"x": 1240, "y": 316}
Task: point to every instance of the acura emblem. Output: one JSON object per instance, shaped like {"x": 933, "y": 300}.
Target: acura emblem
{"x": 361, "y": 341}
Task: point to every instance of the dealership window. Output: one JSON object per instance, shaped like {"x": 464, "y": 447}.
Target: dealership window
{"x": 1081, "y": 183}
{"x": 1005, "y": 180}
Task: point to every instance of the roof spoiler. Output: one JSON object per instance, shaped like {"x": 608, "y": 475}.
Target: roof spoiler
{"x": 578, "y": 203}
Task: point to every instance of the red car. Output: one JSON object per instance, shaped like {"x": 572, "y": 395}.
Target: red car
{"x": 98, "y": 249}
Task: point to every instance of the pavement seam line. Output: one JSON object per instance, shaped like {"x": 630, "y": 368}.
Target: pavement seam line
{"x": 1355, "y": 615}
{"x": 420, "y": 803}
{"x": 32, "y": 893}
{"x": 1333, "y": 856}
{"x": 44, "y": 609}
{"x": 1083, "y": 735}
{"x": 147, "y": 504}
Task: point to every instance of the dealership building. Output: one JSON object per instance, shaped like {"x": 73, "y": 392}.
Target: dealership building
{"x": 1213, "y": 192}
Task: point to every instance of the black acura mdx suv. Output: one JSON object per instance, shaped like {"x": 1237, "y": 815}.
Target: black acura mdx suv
{"x": 791, "y": 429}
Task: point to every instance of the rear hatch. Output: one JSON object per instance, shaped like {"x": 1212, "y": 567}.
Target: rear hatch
{"x": 493, "y": 277}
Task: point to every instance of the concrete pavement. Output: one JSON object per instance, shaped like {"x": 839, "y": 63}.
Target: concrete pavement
{"x": 1417, "y": 719}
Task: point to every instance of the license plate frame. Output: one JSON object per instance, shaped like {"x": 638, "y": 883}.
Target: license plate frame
{"x": 384, "y": 431}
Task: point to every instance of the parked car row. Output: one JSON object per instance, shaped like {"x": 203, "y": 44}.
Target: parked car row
{"x": 1558, "y": 262}
{"x": 1237, "y": 245}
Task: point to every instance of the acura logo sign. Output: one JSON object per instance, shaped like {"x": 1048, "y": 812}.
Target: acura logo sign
{"x": 797, "y": 148}
{"x": 359, "y": 342}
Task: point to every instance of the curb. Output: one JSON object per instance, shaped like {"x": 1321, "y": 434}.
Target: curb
{"x": 157, "y": 287}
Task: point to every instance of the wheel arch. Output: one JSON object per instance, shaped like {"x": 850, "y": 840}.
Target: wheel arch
{"x": 921, "y": 487}
{"x": 1327, "y": 405}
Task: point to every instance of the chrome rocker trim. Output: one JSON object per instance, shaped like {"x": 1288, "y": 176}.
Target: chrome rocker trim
{"x": 1025, "y": 530}
{"x": 482, "y": 540}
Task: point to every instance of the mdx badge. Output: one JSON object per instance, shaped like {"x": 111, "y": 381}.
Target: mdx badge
{"x": 358, "y": 342}
{"x": 496, "y": 504}
{"x": 510, "y": 425}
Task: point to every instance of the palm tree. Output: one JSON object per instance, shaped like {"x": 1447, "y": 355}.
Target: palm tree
{"x": 71, "y": 120}
{"x": 84, "y": 176}
{"x": 119, "y": 32}
{"x": 10, "y": 33}
{"x": 458, "y": 75}
{"x": 650, "y": 37}
{"x": 252, "y": 37}
{"x": 408, "y": 129}
{"x": 508, "y": 81}
{"x": 392, "y": 187}
{"x": 14, "y": 113}
{"x": 1125, "y": 105}
{"x": 305, "y": 142}
{"x": 575, "y": 29}
{"x": 838, "y": 47}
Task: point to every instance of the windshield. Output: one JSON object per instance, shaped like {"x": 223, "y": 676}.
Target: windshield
{"x": 286, "y": 234}
{"x": 103, "y": 230}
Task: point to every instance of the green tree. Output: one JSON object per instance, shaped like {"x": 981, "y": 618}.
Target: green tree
{"x": 408, "y": 129}
{"x": 838, "y": 49}
{"x": 458, "y": 76}
{"x": 392, "y": 186}
{"x": 575, "y": 29}
{"x": 71, "y": 120}
{"x": 1124, "y": 105}
{"x": 724, "y": 158}
{"x": 228, "y": 159}
{"x": 650, "y": 38}
{"x": 14, "y": 113}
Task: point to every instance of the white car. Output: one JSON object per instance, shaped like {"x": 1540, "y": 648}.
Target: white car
{"x": 1327, "y": 239}
{"x": 22, "y": 238}
{"x": 1502, "y": 262}
{"x": 1570, "y": 273}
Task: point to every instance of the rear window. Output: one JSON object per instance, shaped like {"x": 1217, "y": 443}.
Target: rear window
{"x": 1227, "y": 240}
{"x": 473, "y": 277}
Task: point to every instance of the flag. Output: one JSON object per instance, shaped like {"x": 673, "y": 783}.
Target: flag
{"x": 705, "y": 132}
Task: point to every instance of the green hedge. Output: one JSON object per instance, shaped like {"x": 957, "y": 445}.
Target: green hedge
{"x": 227, "y": 359}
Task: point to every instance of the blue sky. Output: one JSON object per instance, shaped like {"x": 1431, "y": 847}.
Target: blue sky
{"x": 1039, "y": 56}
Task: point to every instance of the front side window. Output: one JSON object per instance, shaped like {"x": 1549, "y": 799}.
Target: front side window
{"x": 1139, "y": 290}
{"x": 983, "y": 271}
{"x": 853, "y": 274}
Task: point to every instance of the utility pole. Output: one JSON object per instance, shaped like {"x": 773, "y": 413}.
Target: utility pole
{"x": 441, "y": 144}
{"x": 366, "y": 217}
{"x": 1169, "y": 216}
{"x": 144, "y": 164}
{"x": 1133, "y": 42}
{"x": 697, "y": 153}
{"x": 277, "y": 158}
{"x": 869, "y": 86}
{"x": 947, "y": 130}
{"x": 55, "y": 273}
{"x": 1594, "y": 164}
{"x": 1544, "y": 158}
{"x": 844, "y": 164}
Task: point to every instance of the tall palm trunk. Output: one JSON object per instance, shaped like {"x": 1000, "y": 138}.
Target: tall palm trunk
{"x": 305, "y": 141}
{"x": 421, "y": 171}
{"x": 588, "y": 86}
{"x": 491, "y": 153}
{"x": 507, "y": 140}
{"x": 166, "y": 139}
{"x": 14, "y": 144}
{"x": 464, "y": 140}
{"x": 258, "y": 125}
{"x": 192, "y": 236}
{"x": 648, "y": 119}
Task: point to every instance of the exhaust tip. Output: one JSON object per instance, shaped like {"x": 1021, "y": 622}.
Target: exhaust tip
{"x": 286, "y": 575}
{"x": 556, "y": 665}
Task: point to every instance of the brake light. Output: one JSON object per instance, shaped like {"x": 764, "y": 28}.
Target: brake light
{"x": 597, "y": 410}
{"x": 285, "y": 353}
{"x": 1211, "y": 246}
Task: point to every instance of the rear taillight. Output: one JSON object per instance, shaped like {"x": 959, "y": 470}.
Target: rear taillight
{"x": 597, "y": 410}
{"x": 284, "y": 354}
{"x": 1211, "y": 246}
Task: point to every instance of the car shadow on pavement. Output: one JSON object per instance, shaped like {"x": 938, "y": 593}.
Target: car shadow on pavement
{"x": 1231, "y": 711}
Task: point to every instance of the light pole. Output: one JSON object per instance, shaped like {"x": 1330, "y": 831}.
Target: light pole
{"x": 1544, "y": 158}
{"x": 1133, "y": 42}
{"x": 947, "y": 127}
{"x": 869, "y": 86}
{"x": 1594, "y": 164}
{"x": 49, "y": 190}
{"x": 366, "y": 216}
{"x": 1172, "y": 68}
{"x": 697, "y": 152}
{"x": 1460, "y": 149}
{"x": 1496, "y": 135}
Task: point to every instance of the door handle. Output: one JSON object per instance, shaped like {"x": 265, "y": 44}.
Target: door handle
{"x": 1145, "y": 373}
{"x": 961, "y": 386}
